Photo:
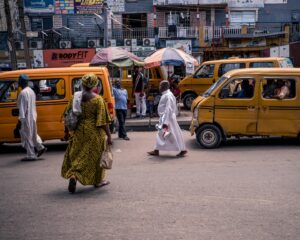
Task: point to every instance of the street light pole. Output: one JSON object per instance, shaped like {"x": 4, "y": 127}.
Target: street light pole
{"x": 11, "y": 39}
{"x": 23, "y": 29}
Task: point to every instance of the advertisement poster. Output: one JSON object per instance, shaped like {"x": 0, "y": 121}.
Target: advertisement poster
{"x": 88, "y": 6}
{"x": 38, "y": 59}
{"x": 64, "y": 7}
{"x": 116, "y": 5}
{"x": 38, "y": 6}
{"x": 185, "y": 45}
{"x": 67, "y": 57}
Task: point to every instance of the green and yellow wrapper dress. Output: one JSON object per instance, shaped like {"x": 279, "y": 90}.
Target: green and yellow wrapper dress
{"x": 87, "y": 143}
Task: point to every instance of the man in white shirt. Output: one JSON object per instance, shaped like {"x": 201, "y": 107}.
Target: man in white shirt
{"x": 27, "y": 115}
{"x": 169, "y": 136}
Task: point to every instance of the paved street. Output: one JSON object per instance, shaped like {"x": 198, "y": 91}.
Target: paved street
{"x": 244, "y": 190}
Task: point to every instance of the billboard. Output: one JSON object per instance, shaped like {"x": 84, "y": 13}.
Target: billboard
{"x": 38, "y": 6}
{"x": 67, "y": 57}
{"x": 64, "y": 7}
{"x": 88, "y": 6}
{"x": 246, "y": 3}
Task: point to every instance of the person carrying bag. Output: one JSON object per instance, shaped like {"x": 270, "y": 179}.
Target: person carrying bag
{"x": 107, "y": 158}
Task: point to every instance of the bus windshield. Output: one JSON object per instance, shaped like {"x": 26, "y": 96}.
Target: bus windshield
{"x": 214, "y": 86}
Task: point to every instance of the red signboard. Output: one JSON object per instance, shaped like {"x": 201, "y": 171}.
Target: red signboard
{"x": 67, "y": 57}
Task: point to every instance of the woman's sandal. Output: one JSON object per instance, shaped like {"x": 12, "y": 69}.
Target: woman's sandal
{"x": 72, "y": 185}
{"x": 102, "y": 184}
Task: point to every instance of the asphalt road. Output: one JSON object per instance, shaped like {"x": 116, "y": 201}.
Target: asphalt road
{"x": 247, "y": 189}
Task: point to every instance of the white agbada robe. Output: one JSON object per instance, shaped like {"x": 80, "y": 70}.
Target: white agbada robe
{"x": 27, "y": 115}
{"x": 167, "y": 110}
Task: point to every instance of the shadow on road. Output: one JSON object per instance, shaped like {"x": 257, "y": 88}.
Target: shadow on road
{"x": 86, "y": 191}
{"x": 248, "y": 144}
{"x": 164, "y": 157}
{"x": 17, "y": 148}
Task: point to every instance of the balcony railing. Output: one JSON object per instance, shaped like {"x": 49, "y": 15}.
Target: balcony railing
{"x": 178, "y": 32}
{"x": 136, "y": 33}
{"x": 188, "y": 2}
{"x": 217, "y": 34}
{"x": 211, "y": 33}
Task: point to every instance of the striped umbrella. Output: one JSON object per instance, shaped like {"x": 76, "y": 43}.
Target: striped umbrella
{"x": 169, "y": 56}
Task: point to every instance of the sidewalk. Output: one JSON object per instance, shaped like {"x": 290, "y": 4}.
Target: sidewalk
{"x": 148, "y": 124}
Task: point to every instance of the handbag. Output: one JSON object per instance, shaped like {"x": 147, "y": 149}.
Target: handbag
{"x": 17, "y": 130}
{"x": 71, "y": 120}
{"x": 71, "y": 117}
{"x": 107, "y": 158}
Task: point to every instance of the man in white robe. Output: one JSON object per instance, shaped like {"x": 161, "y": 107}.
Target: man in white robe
{"x": 30, "y": 140}
{"x": 169, "y": 136}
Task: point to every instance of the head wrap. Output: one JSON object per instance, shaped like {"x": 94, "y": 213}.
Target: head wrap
{"x": 23, "y": 79}
{"x": 90, "y": 80}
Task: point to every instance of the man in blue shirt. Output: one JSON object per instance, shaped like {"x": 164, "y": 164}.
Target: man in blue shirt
{"x": 121, "y": 97}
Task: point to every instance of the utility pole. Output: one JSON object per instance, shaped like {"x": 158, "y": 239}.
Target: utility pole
{"x": 23, "y": 30}
{"x": 11, "y": 39}
{"x": 105, "y": 6}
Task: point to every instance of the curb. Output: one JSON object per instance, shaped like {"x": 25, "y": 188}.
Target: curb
{"x": 148, "y": 124}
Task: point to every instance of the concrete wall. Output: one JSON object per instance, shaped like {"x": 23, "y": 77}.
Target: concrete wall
{"x": 139, "y": 6}
{"x": 278, "y": 12}
{"x": 81, "y": 34}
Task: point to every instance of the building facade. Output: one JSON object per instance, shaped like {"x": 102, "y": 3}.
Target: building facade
{"x": 204, "y": 28}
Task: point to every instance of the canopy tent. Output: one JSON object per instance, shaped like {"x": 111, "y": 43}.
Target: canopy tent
{"x": 116, "y": 56}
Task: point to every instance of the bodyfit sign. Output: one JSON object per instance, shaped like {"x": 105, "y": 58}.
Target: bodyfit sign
{"x": 67, "y": 57}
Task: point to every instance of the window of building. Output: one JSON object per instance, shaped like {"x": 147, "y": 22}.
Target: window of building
{"x": 226, "y": 67}
{"x": 261, "y": 65}
{"x": 206, "y": 71}
{"x": 240, "y": 88}
{"x": 76, "y": 86}
{"x": 41, "y": 23}
{"x": 136, "y": 20}
{"x": 237, "y": 18}
{"x": 279, "y": 88}
{"x": 180, "y": 19}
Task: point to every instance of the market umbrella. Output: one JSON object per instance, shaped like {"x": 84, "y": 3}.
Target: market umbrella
{"x": 116, "y": 56}
{"x": 169, "y": 56}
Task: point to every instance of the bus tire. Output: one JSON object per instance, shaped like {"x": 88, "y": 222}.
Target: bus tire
{"x": 209, "y": 136}
{"x": 188, "y": 100}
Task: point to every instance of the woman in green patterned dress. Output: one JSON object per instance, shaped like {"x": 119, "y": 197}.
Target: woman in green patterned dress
{"x": 87, "y": 143}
